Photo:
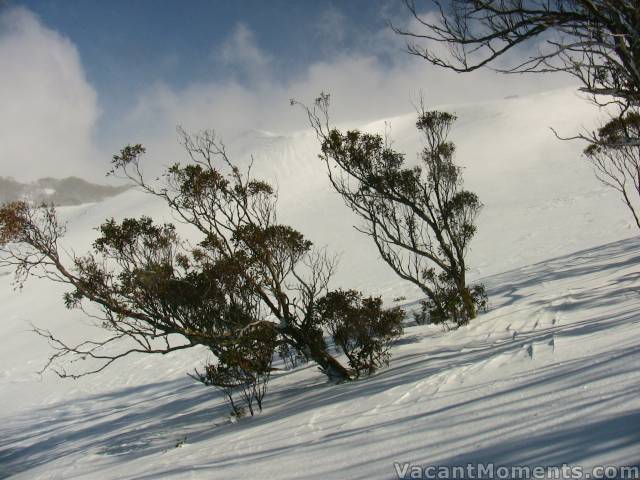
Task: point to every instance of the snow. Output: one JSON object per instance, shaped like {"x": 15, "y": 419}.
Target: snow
{"x": 549, "y": 375}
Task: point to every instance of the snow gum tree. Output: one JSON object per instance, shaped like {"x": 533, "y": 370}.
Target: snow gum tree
{"x": 597, "y": 42}
{"x": 154, "y": 292}
{"x": 421, "y": 218}
{"x": 616, "y": 161}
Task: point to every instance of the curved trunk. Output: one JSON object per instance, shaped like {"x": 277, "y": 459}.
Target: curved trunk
{"x": 315, "y": 349}
{"x": 331, "y": 367}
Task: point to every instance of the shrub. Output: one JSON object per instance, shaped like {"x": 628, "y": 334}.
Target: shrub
{"x": 243, "y": 369}
{"x": 360, "y": 328}
{"x": 156, "y": 292}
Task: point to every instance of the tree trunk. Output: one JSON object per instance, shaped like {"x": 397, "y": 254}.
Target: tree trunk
{"x": 468, "y": 305}
{"x": 331, "y": 367}
{"x": 314, "y": 348}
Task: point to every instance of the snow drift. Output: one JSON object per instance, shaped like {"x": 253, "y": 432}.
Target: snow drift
{"x": 547, "y": 376}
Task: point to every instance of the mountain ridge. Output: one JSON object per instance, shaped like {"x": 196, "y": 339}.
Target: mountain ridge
{"x": 68, "y": 191}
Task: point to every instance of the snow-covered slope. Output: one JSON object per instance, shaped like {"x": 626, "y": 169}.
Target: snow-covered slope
{"x": 548, "y": 376}
{"x": 66, "y": 191}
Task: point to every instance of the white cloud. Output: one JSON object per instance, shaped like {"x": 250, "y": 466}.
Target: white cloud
{"x": 241, "y": 53}
{"x": 363, "y": 87}
{"x": 330, "y": 31}
{"x": 48, "y": 109}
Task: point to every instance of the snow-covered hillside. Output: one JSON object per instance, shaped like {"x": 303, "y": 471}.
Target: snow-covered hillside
{"x": 66, "y": 191}
{"x": 549, "y": 375}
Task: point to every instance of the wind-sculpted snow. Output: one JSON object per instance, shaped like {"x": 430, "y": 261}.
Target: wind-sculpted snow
{"x": 549, "y": 375}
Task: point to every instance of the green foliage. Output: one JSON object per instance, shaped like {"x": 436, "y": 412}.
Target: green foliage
{"x": 244, "y": 368}
{"x": 614, "y": 153}
{"x": 13, "y": 222}
{"x": 128, "y": 155}
{"x": 615, "y": 134}
{"x": 360, "y": 328}
{"x": 248, "y": 286}
{"x": 451, "y": 302}
{"x": 420, "y": 217}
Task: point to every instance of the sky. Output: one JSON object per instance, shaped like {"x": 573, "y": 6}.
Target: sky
{"x": 82, "y": 78}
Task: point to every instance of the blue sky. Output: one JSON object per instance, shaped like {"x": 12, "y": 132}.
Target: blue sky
{"x": 82, "y": 78}
{"x": 127, "y": 45}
